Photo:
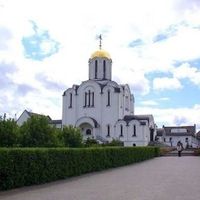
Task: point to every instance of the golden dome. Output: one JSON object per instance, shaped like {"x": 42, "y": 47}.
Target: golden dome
{"x": 101, "y": 54}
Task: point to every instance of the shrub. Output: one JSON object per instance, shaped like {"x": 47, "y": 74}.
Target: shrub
{"x": 36, "y": 132}
{"x": 71, "y": 137}
{"x": 8, "y": 132}
{"x": 26, "y": 166}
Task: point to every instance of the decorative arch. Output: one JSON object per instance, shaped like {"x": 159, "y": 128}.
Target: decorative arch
{"x": 88, "y": 120}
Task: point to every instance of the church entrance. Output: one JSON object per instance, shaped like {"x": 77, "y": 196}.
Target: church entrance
{"x": 86, "y": 130}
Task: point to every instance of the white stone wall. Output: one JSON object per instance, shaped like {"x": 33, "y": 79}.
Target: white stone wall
{"x": 192, "y": 141}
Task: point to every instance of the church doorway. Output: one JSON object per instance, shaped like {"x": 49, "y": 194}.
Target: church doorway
{"x": 86, "y": 130}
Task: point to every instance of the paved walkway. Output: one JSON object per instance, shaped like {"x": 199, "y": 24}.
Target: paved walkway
{"x": 163, "y": 178}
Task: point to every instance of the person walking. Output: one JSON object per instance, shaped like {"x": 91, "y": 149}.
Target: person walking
{"x": 179, "y": 148}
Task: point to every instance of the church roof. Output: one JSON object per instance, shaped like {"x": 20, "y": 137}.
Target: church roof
{"x": 100, "y": 54}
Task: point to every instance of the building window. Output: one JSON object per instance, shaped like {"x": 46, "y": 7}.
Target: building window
{"x": 104, "y": 69}
{"x": 89, "y": 95}
{"x": 70, "y": 100}
{"x": 134, "y": 130}
{"x": 96, "y": 68}
{"x": 108, "y": 131}
{"x": 85, "y": 99}
{"x": 170, "y": 139}
{"x": 92, "y": 99}
{"x": 164, "y": 139}
{"x": 121, "y": 130}
{"x": 89, "y": 99}
{"x": 108, "y": 103}
{"x": 88, "y": 132}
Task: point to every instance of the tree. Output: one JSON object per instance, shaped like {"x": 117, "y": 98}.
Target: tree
{"x": 36, "y": 132}
{"x": 71, "y": 137}
{"x": 8, "y": 132}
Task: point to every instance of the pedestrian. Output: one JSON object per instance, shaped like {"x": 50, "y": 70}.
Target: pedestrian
{"x": 179, "y": 148}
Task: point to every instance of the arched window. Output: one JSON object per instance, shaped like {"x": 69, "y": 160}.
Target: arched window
{"x": 108, "y": 131}
{"x": 104, "y": 69}
{"x": 85, "y": 99}
{"x": 121, "y": 130}
{"x": 92, "y": 99}
{"x": 70, "y": 100}
{"x": 88, "y": 132}
{"x": 134, "y": 130}
{"x": 89, "y": 99}
{"x": 108, "y": 100}
{"x": 96, "y": 68}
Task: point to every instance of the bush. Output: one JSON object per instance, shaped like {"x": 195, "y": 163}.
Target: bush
{"x": 197, "y": 152}
{"x": 115, "y": 143}
{"x": 8, "y": 132}
{"x": 36, "y": 132}
{"x": 90, "y": 142}
{"x": 26, "y": 166}
{"x": 71, "y": 137}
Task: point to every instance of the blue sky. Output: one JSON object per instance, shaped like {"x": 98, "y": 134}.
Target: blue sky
{"x": 154, "y": 45}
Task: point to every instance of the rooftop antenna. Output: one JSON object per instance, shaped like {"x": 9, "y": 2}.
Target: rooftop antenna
{"x": 100, "y": 41}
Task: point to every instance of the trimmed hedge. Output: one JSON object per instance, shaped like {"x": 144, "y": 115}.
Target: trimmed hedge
{"x": 27, "y": 166}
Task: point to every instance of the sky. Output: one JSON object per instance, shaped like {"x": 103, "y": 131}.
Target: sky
{"x": 154, "y": 45}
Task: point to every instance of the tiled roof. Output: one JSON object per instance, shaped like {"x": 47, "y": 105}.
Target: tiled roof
{"x": 33, "y": 114}
{"x": 56, "y": 121}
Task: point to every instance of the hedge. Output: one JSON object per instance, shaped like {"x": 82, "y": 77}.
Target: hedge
{"x": 27, "y": 166}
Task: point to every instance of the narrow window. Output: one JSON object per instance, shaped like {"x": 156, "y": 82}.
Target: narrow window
{"x": 89, "y": 94}
{"x": 108, "y": 104}
{"x": 134, "y": 130}
{"x": 92, "y": 99}
{"x": 121, "y": 130}
{"x": 108, "y": 131}
{"x": 104, "y": 69}
{"x": 85, "y": 99}
{"x": 96, "y": 68}
{"x": 70, "y": 100}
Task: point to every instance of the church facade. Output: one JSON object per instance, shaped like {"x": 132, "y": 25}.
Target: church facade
{"x": 104, "y": 109}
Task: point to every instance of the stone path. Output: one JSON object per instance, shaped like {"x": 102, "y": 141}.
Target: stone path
{"x": 163, "y": 178}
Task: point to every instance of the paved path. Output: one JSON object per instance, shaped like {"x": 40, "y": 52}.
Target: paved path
{"x": 164, "y": 178}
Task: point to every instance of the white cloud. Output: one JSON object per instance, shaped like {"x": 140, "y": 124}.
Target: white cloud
{"x": 149, "y": 103}
{"x": 166, "y": 83}
{"x": 186, "y": 71}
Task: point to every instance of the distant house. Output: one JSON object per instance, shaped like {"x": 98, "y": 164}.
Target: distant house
{"x": 27, "y": 114}
{"x": 170, "y": 135}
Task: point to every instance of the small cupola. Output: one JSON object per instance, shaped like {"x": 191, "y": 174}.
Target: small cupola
{"x": 100, "y": 64}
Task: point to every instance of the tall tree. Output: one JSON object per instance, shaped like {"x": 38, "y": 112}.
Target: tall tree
{"x": 8, "y": 132}
{"x": 36, "y": 132}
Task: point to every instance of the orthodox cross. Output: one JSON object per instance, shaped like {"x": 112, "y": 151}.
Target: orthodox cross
{"x": 100, "y": 41}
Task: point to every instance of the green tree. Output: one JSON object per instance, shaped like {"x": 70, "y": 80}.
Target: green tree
{"x": 36, "y": 132}
{"x": 71, "y": 137}
{"x": 8, "y": 132}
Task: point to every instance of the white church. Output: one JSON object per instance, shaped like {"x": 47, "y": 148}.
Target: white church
{"x": 104, "y": 109}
